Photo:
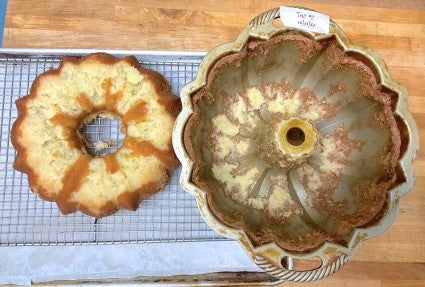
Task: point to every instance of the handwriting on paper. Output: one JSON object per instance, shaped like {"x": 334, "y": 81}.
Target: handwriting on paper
{"x": 305, "y": 19}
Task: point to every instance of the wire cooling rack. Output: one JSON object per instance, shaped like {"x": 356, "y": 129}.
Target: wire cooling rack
{"x": 169, "y": 216}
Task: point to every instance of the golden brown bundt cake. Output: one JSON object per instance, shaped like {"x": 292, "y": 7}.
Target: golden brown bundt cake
{"x": 51, "y": 149}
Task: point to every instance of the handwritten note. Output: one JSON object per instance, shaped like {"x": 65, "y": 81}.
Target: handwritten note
{"x": 304, "y": 19}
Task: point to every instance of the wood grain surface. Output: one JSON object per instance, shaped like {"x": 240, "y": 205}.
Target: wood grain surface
{"x": 396, "y": 29}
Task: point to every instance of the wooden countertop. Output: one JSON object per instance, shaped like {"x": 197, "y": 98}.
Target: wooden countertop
{"x": 393, "y": 28}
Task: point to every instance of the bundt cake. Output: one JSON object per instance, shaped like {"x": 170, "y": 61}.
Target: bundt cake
{"x": 51, "y": 148}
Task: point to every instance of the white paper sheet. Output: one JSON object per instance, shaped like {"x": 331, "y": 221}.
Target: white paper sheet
{"x": 26, "y": 264}
{"x": 304, "y": 19}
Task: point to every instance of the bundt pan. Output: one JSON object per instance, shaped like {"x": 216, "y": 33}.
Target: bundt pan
{"x": 297, "y": 144}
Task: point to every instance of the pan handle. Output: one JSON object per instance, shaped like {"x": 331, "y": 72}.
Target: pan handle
{"x": 302, "y": 276}
{"x": 265, "y": 17}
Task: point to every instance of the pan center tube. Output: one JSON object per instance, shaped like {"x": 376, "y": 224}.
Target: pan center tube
{"x": 296, "y": 138}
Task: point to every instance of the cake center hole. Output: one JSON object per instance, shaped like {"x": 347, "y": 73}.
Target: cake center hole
{"x": 102, "y": 135}
{"x": 295, "y": 136}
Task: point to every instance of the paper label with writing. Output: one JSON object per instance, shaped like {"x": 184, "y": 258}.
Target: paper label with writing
{"x": 304, "y": 19}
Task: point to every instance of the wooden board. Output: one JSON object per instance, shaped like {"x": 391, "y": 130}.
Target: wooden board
{"x": 395, "y": 29}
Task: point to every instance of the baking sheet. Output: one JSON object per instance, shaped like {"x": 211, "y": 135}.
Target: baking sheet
{"x": 168, "y": 235}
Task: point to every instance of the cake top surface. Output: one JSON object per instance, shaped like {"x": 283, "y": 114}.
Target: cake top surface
{"x": 52, "y": 149}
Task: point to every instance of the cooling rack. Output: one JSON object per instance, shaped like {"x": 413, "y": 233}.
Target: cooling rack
{"x": 169, "y": 216}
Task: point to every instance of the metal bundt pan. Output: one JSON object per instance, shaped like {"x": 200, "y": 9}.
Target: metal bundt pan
{"x": 333, "y": 255}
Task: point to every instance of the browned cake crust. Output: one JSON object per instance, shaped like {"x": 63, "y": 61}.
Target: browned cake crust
{"x": 52, "y": 151}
